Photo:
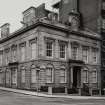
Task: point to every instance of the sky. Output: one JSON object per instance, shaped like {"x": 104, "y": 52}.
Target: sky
{"x": 11, "y": 11}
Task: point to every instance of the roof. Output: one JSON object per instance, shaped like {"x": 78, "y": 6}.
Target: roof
{"x": 56, "y": 26}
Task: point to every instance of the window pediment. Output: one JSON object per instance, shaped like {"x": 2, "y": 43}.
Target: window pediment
{"x": 34, "y": 40}
{"x": 49, "y": 39}
{"x": 75, "y": 44}
{"x": 13, "y": 47}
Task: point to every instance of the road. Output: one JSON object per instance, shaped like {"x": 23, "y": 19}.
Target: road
{"x": 10, "y": 98}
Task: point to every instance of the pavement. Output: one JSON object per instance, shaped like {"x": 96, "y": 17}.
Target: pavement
{"x": 39, "y": 94}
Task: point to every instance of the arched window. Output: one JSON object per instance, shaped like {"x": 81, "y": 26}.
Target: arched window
{"x": 94, "y": 76}
{"x": 49, "y": 74}
{"x": 1, "y": 76}
{"x": 33, "y": 74}
{"x": 23, "y": 74}
{"x": 7, "y": 76}
{"x": 63, "y": 75}
{"x": 85, "y": 76}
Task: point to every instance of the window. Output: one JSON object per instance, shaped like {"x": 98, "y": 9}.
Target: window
{"x": 62, "y": 48}
{"x": 1, "y": 59}
{"x": 13, "y": 55}
{"x": 33, "y": 50}
{"x": 85, "y": 76}
{"x": 94, "y": 77}
{"x": 22, "y": 53}
{"x": 62, "y": 76}
{"x": 1, "y": 77}
{"x": 23, "y": 76}
{"x": 85, "y": 54}
{"x": 49, "y": 75}
{"x": 7, "y": 77}
{"x": 49, "y": 49}
{"x": 75, "y": 53}
{"x": 7, "y": 55}
{"x": 94, "y": 55}
{"x": 14, "y": 76}
{"x": 33, "y": 76}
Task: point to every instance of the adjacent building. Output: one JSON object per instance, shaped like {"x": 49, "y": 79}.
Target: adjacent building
{"x": 48, "y": 54}
{"x": 103, "y": 46}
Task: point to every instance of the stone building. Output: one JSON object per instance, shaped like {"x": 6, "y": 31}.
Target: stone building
{"x": 48, "y": 55}
{"x": 103, "y": 46}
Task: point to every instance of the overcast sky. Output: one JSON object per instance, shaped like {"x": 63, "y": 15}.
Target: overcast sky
{"x": 11, "y": 10}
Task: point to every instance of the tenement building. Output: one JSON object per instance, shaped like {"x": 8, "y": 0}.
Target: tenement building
{"x": 47, "y": 54}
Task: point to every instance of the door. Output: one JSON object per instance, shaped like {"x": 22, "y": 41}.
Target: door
{"x": 76, "y": 76}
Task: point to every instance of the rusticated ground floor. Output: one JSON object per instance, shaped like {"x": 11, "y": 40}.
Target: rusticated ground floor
{"x": 73, "y": 77}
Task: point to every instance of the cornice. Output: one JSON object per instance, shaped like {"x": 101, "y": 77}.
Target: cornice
{"x": 48, "y": 25}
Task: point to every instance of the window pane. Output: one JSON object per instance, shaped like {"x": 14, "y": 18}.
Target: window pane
{"x": 14, "y": 77}
{"x": 94, "y": 51}
{"x": 62, "y": 76}
{"x": 94, "y": 77}
{"x": 85, "y": 55}
{"x": 14, "y": 55}
{"x": 7, "y": 77}
{"x": 85, "y": 76}
{"x": 23, "y": 76}
{"x": 33, "y": 50}
{"x": 74, "y": 53}
{"x": 1, "y": 58}
{"x": 62, "y": 51}
{"x": 22, "y": 51}
{"x": 1, "y": 77}
{"x": 49, "y": 75}
{"x": 49, "y": 49}
{"x": 33, "y": 76}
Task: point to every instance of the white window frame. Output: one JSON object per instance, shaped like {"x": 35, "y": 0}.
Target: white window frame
{"x": 72, "y": 49}
{"x": 87, "y": 54}
{"x": 1, "y": 77}
{"x": 95, "y": 80}
{"x": 33, "y": 50}
{"x": 64, "y": 75}
{"x": 50, "y": 75}
{"x": 52, "y": 50}
{"x": 7, "y": 76}
{"x": 7, "y": 57}
{"x": 94, "y": 55}
{"x": 23, "y": 77}
{"x": 86, "y": 76}
{"x": 14, "y": 55}
{"x": 33, "y": 76}
{"x": 1, "y": 59}
{"x": 22, "y": 55}
{"x": 62, "y": 51}
{"x": 14, "y": 76}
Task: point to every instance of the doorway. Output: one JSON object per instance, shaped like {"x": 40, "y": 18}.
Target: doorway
{"x": 76, "y": 76}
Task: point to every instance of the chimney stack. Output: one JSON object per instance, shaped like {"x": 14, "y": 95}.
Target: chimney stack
{"x": 5, "y": 30}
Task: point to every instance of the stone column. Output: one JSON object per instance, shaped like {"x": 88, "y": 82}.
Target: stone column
{"x": 50, "y": 90}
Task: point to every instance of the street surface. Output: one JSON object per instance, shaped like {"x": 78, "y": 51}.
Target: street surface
{"x": 10, "y": 98}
